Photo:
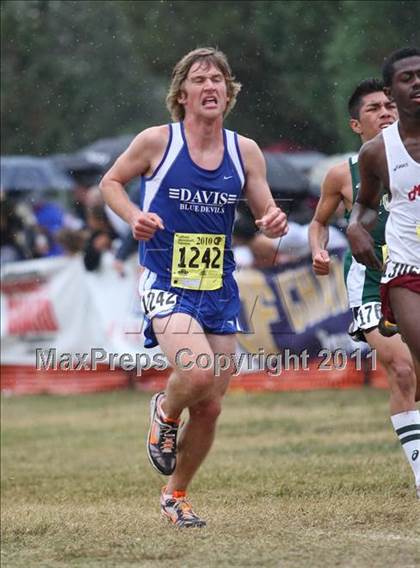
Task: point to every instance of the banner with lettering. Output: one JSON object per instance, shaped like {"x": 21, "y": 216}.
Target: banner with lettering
{"x": 290, "y": 308}
{"x": 55, "y": 304}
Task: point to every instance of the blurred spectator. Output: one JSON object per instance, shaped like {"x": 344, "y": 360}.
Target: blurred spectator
{"x": 72, "y": 242}
{"x": 101, "y": 233}
{"x": 102, "y": 220}
{"x": 128, "y": 247}
{"x": 266, "y": 253}
{"x": 21, "y": 237}
{"x": 79, "y": 201}
{"x": 253, "y": 249}
{"x": 51, "y": 218}
{"x": 50, "y": 221}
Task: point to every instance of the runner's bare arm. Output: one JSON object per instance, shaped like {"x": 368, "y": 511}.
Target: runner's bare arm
{"x": 331, "y": 196}
{"x": 137, "y": 160}
{"x": 365, "y": 210}
{"x": 269, "y": 218}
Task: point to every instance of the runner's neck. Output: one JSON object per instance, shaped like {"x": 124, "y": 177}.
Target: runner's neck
{"x": 203, "y": 136}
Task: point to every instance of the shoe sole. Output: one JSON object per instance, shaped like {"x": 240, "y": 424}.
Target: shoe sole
{"x": 169, "y": 519}
{"x": 153, "y": 404}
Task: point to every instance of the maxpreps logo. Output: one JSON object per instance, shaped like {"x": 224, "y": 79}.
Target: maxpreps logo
{"x": 202, "y": 200}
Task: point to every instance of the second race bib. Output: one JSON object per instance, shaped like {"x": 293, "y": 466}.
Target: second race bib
{"x": 197, "y": 261}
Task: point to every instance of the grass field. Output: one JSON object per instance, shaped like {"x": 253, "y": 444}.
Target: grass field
{"x": 295, "y": 479}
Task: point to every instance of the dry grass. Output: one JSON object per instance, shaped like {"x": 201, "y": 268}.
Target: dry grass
{"x": 295, "y": 479}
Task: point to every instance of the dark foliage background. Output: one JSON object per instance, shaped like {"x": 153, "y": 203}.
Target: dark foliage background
{"x": 75, "y": 71}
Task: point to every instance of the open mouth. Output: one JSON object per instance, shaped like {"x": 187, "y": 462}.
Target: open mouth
{"x": 385, "y": 124}
{"x": 415, "y": 96}
{"x": 210, "y": 101}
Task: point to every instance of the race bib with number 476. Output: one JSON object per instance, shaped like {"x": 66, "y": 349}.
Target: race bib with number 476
{"x": 197, "y": 261}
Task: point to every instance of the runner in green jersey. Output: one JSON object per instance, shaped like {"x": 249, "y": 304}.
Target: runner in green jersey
{"x": 370, "y": 111}
{"x": 362, "y": 283}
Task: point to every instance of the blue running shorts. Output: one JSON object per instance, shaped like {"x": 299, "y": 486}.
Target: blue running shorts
{"x": 215, "y": 310}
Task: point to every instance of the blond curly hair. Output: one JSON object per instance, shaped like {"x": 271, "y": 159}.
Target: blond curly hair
{"x": 209, "y": 55}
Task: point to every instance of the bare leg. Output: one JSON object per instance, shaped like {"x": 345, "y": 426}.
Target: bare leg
{"x": 404, "y": 416}
{"x": 417, "y": 369}
{"x": 396, "y": 358}
{"x": 195, "y": 441}
{"x": 183, "y": 340}
{"x": 195, "y": 388}
{"x": 198, "y": 434}
{"x": 406, "y": 307}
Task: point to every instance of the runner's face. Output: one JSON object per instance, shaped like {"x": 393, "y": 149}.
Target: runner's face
{"x": 376, "y": 113}
{"x": 204, "y": 91}
{"x": 405, "y": 88}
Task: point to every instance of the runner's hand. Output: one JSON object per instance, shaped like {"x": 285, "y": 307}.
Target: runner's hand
{"x": 145, "y": 225}
{"x": 321, "y": 263}
{"x": 274, "y": 223}
{"x": 362, "y": 246}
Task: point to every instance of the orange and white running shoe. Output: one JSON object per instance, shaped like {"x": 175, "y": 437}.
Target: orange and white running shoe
{"x": 161, "y": 440}
{"x": 178, "y": 510}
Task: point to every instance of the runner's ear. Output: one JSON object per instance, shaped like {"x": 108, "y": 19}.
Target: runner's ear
{"x": 182, "y": 97}
{"x": 355, "y": 125}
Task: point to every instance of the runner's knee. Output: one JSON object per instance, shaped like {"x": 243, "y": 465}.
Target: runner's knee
{"x": 207, "y": 411}
{"x": 201, "y": 380}
{"x": 403, "y": 376}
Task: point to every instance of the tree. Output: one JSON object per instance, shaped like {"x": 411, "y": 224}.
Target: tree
{"x": 77, "y": 71}
{"x": 276, "y": 50}
{"x": 365, "y": 36}
{"x": 71, "y": 76}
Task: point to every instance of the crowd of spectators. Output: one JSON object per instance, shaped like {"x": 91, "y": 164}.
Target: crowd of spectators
{"x": 37, "y": 225}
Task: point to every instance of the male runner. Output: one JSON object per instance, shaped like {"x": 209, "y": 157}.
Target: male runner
{"x": 193, "y": 173}
{"x": 370, "y": 112}
{"x": 392, "y": 160}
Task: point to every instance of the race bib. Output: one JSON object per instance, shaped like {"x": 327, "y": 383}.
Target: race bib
{"x": 396, "y": 269}
{"x": 197, "y": 261}
{"x": 368, "y": 315}
{"x": 156, "y": 302}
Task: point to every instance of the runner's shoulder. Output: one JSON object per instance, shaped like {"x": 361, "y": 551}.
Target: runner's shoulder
{"x": 151, "y": 140}
{"x": 337, "y": 178}
{"x": 372, "y": 150}
{"x": 250, "y": 152}
{"x": 247, "y": 144}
